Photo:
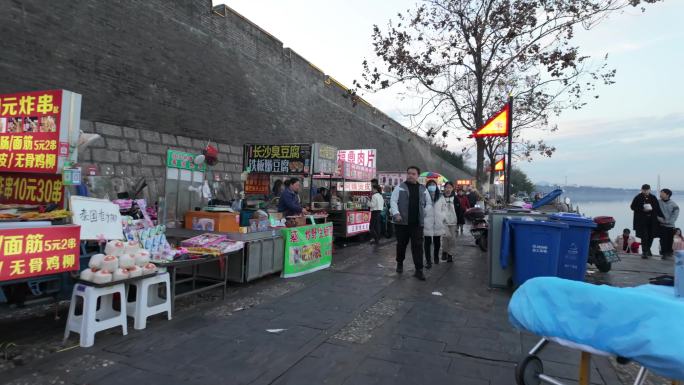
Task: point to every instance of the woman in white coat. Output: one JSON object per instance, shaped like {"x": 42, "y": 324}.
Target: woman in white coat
{"x": 448, "y": 205}
{"x": 434, "y": 225}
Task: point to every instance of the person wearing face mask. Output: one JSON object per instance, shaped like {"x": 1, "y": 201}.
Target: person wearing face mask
{"x": 435, "y": 225}
{"x": 448, "y": 205}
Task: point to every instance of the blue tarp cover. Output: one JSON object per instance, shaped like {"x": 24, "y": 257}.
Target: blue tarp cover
{"x": 643, "y": 323}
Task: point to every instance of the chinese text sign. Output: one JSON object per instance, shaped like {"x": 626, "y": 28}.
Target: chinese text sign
{"x": 31, "y": 252}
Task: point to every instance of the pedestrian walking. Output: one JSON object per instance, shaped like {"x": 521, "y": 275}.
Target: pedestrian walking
{"x": 434, "y": 227}
{"x": 678, "y": 243}
{"x": 464, "y": 204}
{"x": 669, "y": 213}
{"x": 646, "y": 212}
{"x": 473, "y": 196}
{"x": 407, "y": 206}
{"x": 449, "y": 204}
{"x": 376, "y": 205}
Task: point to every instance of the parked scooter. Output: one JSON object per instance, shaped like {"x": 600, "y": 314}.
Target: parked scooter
{"x": 602, "y": 252}
{"x": 479, "y": 227}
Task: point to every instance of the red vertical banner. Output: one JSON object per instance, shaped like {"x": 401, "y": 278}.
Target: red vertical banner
{"x": 30, "y": 132}
{"x": 37, "y": 251}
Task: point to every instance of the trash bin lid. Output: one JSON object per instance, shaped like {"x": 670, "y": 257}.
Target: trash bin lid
{"x": 573, "y": 219}
{"x": 526, "y": 222}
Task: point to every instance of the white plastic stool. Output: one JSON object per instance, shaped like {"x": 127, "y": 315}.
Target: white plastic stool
{"x": 147, "y": 300}
{"x": 93, "y": 319}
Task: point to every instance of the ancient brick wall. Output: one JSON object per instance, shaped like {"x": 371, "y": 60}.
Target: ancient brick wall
{"x": 156, "y": 72}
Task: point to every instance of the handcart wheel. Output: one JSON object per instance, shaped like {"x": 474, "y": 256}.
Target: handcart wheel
{"x": 528, "y": 370}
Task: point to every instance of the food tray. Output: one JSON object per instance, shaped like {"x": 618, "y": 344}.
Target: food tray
{"x": 124, "y": 281}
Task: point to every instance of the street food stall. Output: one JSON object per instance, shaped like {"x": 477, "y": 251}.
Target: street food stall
{"x": 350, "y": 191}
{"x": 39, "y": 133}
{"x": 294, "y": 252}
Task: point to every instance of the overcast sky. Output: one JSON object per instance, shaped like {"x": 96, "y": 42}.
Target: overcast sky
{"x": 628, "y": 136}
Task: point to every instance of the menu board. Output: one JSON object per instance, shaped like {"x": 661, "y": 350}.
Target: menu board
{"x": 354, "y": 171}
{"x": 34, "y": 130}
{"x": 36, "y": 251}
{"x": 357, "y": 222}
{"x": 307, "y": 249}
{"x": 325, "y": 159}
{"x": 278, "y": 159}
{"x": 365, "y": 157}
{"x": 257, "y": 184}
{"x": 31, "y": 189}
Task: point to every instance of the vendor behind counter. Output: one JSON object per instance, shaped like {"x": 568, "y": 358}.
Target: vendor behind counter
{"x": 289, "y": 203}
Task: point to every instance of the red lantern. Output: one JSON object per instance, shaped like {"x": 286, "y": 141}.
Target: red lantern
{"x": 210, "y": 155}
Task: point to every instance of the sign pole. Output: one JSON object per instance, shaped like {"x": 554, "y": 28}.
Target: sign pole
{"x": 510, "y": 151}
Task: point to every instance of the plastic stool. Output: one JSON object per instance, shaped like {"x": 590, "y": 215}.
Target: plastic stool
{"x": 93, "y": 319}
{"x": 147, "y": 300}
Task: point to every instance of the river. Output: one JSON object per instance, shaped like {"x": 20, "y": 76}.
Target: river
{"x": 617, "y": 209}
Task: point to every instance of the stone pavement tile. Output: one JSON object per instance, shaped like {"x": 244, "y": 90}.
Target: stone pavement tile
{"x": 327, "y": 364}
{"x": 379, "y": 368}
{"x": 411, "y": 375}
{"x": 495, "y": 372}
{"x": 413, "y": 344}
{"x": 570, "y": 372}
{"x": 433, "y": 331}
{"x": 130, "y": 375}
{"x": 418, "y": 360}
{"x": 321, "y": 319}
{"x": 505, "y": 343}
{"x": 367, "y": 379}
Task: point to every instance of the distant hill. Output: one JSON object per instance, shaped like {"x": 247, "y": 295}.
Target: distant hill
{"x": 597, "y": 194}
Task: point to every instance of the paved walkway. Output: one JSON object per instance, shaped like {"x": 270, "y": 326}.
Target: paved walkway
{"x": 356, "y": 323}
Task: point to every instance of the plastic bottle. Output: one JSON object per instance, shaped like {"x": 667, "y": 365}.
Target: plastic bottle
{"x": 679, "y": 273}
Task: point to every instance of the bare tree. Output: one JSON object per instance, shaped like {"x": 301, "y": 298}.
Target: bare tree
{"x": 463, "y": 58}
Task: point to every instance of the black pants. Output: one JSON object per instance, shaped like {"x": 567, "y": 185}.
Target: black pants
{"x": 647, "y": 240}
{"x": 437, "y": 244}
{"x": 414, "y": 234}
{"x": 376, "y": 224}
{"x": 666, "y": 239}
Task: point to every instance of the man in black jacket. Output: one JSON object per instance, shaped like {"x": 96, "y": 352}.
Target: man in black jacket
{"x": 646, "y": 212}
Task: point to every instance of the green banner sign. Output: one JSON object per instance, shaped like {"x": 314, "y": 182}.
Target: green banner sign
{"x": 183, "y": 160}
{"x": 307, "y": 249}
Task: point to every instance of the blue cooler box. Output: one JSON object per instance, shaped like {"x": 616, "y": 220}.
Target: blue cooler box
{"x": 536, "y": 248}
{"x": 574, "y": 247}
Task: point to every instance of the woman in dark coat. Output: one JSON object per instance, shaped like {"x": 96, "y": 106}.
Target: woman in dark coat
{"x": 646, "y": 212}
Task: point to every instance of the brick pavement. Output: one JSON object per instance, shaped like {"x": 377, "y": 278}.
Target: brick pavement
{"x": 356, "y": 323}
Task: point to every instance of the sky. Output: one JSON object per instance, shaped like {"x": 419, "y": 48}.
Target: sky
{"x": 628, "y": 136}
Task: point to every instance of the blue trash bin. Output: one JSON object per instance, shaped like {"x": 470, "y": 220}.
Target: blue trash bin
{"x": 535, "y": 247}
{"x": 574, "y": 247}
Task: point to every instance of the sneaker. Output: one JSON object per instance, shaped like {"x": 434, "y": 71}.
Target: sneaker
{"x": 450, "y": 259}
{"x": 444, "y": 256}
{"x": 419, "y": 275}
{"x": 400, "y": 268}
{"x": 428, "y": 265}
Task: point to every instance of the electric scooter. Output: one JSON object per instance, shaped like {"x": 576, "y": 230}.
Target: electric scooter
{"x": 479, "y": 228}
{"x": 602, "y": 252}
